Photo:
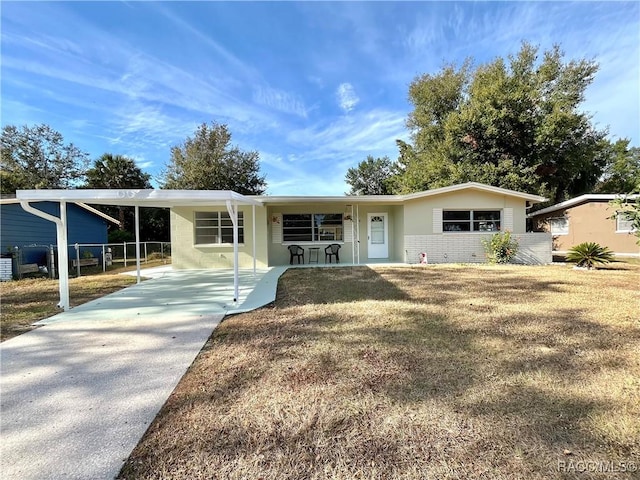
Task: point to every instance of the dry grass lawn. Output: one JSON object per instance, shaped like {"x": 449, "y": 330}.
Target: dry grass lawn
{"x": 443, "y": 372}
{"x": 29, "y": 300}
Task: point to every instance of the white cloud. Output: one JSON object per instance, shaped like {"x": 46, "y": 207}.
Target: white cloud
{"x": 374, "y": 132}
{"x": 347, "y": 97}
{"x": 280, "y": 100}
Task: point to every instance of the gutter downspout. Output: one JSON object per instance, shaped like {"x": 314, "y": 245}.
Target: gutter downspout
{"x": 63, "y": 254}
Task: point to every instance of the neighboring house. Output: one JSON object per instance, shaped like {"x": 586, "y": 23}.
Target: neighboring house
{"x": 587, "y": 218}
{"x": 447, "y": 224}
{"x": 33, "y": 234}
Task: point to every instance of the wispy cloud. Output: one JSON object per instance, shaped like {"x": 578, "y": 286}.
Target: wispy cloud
{"x": 347, "y": 97}
{"x": 280, "y": 100}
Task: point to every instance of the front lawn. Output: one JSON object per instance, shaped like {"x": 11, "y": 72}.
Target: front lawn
{"x": 413, "y": 373}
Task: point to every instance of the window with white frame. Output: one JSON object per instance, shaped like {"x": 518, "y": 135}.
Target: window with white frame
{"x": 559, "y": 226}
{"x": 624, "y": 222}
{"x": 471, "y": 220}
{"x": 216, "y": 228}
{"x": 312, "y": 227}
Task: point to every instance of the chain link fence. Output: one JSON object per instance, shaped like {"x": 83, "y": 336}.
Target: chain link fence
{"x": 41, "y": 260}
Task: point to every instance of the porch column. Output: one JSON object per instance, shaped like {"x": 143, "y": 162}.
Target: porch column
{"x": 358, "y": 230}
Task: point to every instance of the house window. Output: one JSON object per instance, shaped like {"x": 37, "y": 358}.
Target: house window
{"x": 559, "y": 226}
{"x": 312, "y": 227}
{"x": 216, "y": 228}
{"x": 624, "y": 223}
{"x": 471, "y": 220}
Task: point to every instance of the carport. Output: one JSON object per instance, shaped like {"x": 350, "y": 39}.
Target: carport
{"x": 136, "y": 199}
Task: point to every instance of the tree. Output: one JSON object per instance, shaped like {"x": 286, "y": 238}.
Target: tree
{"x": 37, "y": 158}
{"x": 209, "y": 162}
{"x": 370, "y": 177}
{"x": 622, "y": 170}
{"x": 628, "y": 207}
{"x": 511, "y": 123}
{"x": 117, "y": 171}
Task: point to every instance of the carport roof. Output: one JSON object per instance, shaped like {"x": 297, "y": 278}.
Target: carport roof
{"x": 176, "y": 198}
{"x": 142, "y": 198}
{"x": 13, "y": 200}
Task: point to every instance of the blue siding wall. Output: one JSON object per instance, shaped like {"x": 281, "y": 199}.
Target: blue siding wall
{"x": 20, "y": 228}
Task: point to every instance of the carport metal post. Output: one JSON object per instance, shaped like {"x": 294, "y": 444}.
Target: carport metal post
{"x": 137, "y": 210}
{"x": 232, "y": 208}
{"x": 63, "y": 252}
{"x": 253, "y": 235}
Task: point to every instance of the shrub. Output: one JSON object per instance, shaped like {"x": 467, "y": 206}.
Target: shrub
{"x": 588, "y": 254}
{"x": 119, "y": 236}
{"x": 501, "y": 248}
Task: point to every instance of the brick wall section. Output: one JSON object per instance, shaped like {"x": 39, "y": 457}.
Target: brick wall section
{"x": 5, "y": 269}
{"x": 535, "y": 248}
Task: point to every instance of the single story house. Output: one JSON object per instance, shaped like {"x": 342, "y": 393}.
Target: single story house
{"x": 587, "y": 218}
{"x": 447, "y": 224}
{"x": 33, "y": 235}
{"x": 223, "y": 229}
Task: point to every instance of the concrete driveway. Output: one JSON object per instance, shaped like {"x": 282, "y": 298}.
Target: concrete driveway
{"x": 78, "y": 393}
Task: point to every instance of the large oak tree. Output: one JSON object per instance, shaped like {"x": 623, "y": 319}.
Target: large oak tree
{"x": 514, "y": 123}
{"x": 208, "y": 161}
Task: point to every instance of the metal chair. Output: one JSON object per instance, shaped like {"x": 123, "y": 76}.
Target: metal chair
{"x": 295, "y": 251}
{"x": 332, "y": 251}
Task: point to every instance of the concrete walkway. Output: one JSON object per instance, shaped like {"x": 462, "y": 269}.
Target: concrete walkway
{"x": 78, "y": 393}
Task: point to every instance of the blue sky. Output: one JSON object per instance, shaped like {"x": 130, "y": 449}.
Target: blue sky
{"x": 314, "y": 87}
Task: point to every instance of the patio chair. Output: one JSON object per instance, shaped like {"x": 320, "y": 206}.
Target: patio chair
{"x": 332, "y": 251}
{"x": 295, "y": 251}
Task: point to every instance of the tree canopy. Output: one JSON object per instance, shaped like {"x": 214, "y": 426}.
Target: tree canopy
{"x": 370, "y": 177}
{"x": 511, "y": 123}
{"x": 118, "y": 171}
{"x": 622, "y": 171}
{"x": 208, "y": 161}
{"x": 37, "y": 158}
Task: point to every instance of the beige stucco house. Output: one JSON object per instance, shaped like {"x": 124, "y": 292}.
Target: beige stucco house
{"x": 587, "y": 218}
{"x": 446, "y": 224}
{"x": 223, "y": 229}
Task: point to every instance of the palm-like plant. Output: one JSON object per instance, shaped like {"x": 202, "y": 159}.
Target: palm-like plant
{"x": 588, "y": 254}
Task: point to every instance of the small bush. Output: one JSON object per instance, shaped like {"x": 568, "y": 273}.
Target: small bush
{"x": 157, "y": 256}
{"x": 119, "y": 236}
{"x": 588, "y": 254}
{"x": 502, "y": 247}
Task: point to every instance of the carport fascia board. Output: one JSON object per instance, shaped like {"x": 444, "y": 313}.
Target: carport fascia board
{"x": 141, "y": 198}
{"x": 136, "y": 198}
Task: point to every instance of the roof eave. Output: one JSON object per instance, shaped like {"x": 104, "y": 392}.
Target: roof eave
{"x": 572, "y": 202}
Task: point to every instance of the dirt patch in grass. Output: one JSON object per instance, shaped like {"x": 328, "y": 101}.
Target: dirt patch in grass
{"x": 412, "y": 373}
{"x": 29, "y": 300}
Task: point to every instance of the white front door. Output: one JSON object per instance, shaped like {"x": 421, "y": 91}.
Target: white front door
{"x": 378, "y": 235}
